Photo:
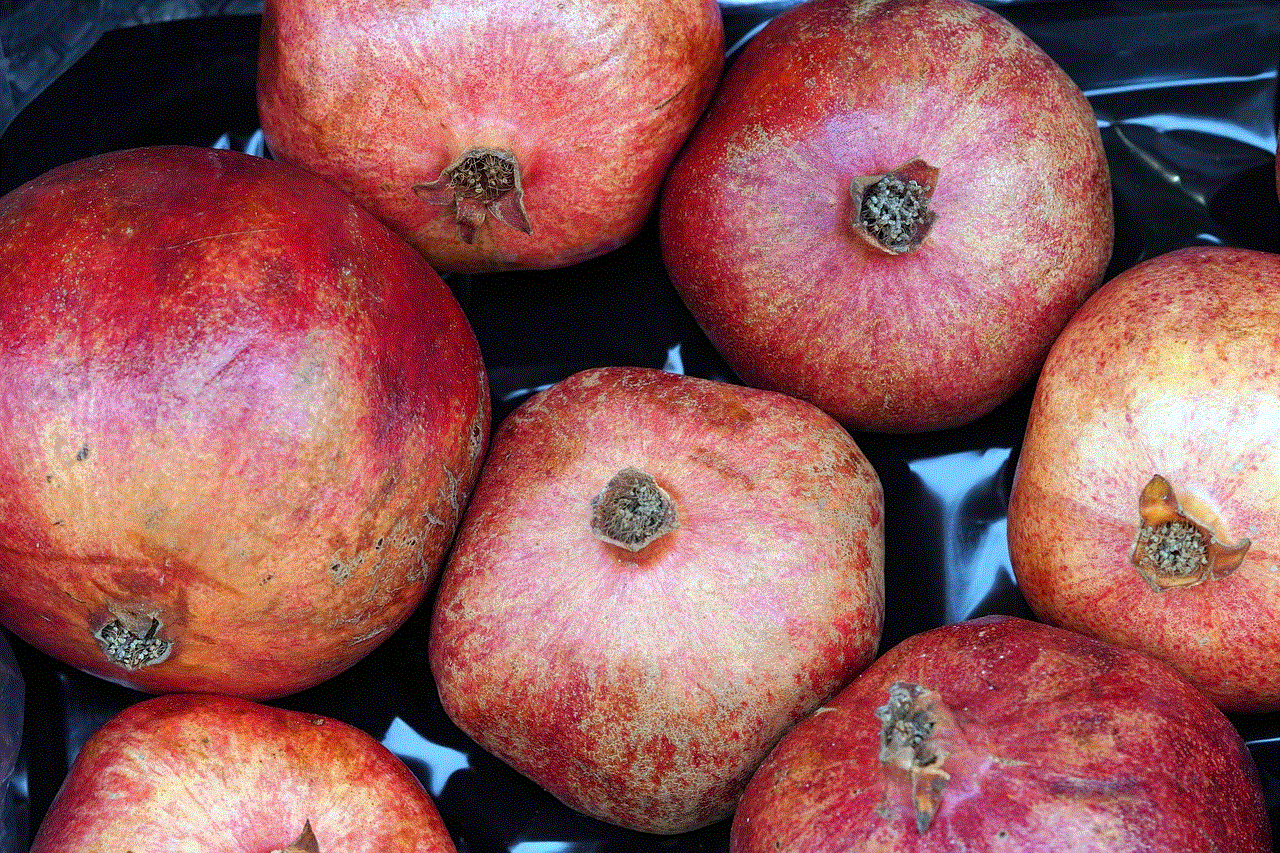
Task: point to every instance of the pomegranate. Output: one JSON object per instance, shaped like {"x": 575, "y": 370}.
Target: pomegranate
{"x": 238, "y": 420}
{"x": 890, "y": 210}
{"x": 656, "y": 576}
{"x": 1143, "y": 510}
{"x": 207, "y": 772}
{"x": 491, "y": 135}
{"x": 1002, "y": 734}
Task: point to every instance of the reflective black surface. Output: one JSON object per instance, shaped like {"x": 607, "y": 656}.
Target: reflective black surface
{"x": 1184, "y": 94}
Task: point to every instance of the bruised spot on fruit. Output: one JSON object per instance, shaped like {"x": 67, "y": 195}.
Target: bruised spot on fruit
{"x": 1172, "y": 549}
{"x": 475, "y": 439}
{"x": 722, "y": 465}
{"x": 482, "y": 181}
{"x": 891, "y": 211}
{"x": 632, "y": 510}
{"x": 340, "y": 570}
{"x": 305, "y": 843}
{"x": 132, "y": 641}
{"x": 907, "y": 746}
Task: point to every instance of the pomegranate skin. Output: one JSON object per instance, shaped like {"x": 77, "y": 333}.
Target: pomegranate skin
{"x": 238, "y": 419}
{"x": 197, "y": 771}
{"x": 1053, "y": 742}
{"x": 643, "y": 687}
{"x": 756, "y": 215}
{"x": 1170, "y": 369}
{"x": 592, "y": 98}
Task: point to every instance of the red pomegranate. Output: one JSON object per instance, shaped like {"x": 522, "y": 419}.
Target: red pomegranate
{"x": 201, "y": 772}
{"x": 1002, "y": 735}
{"x": 491, "y": 134}
{"x": 238, "y": 420}
{"x": 656, "y": 576}
{"x": 890, "y": 210}
{"x": 1143, "y": 510}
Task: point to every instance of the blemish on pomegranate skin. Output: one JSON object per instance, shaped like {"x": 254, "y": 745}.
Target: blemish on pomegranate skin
{"x": 340, "y": 572}
{"x": 717, "y": 462}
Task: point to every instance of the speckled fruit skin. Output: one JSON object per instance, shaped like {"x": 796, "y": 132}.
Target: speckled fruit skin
{"x": 643, "y": 688}
{"x": 207, "y": 772}
{"x": 1170, "y": 369}
{"x": 1060, "y": 744}
{"x": 234, "y": 408}
{"x": 755, "y": 216}
{"x": 593, "y": 97}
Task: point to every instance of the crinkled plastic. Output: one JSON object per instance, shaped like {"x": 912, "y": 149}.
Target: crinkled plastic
{"x": 13, "y": 797}
{"x": 1185, "y": 98}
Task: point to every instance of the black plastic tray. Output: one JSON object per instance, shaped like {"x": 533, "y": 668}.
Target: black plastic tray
{"x": 1185, "y": 98}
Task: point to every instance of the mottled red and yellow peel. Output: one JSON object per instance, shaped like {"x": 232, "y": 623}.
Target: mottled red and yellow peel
{"x": 1169, "y": 369}
{"x": 238, "y": 421}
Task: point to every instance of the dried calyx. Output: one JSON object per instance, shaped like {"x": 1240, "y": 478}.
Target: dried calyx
{"x": 632, "y": 510}
{"x": 1172, "y": 549}
{"x": 482, "y": 181}
{"x": 908, "y": 746}
{"x": 891, "y": 211}
{"x": 306, "y": 842}
{"x": 132, "y": 639}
